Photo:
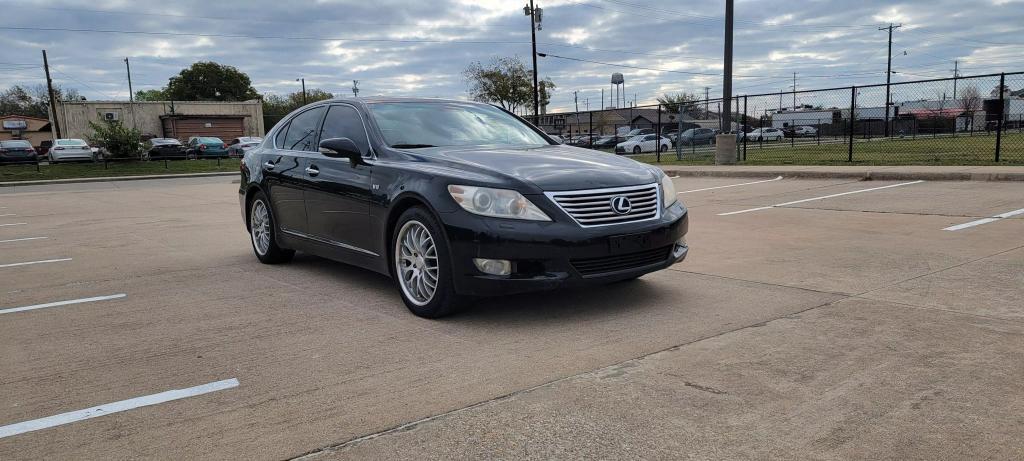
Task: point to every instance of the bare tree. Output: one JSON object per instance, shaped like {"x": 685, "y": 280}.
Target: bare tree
{"x": 970, "y": 101}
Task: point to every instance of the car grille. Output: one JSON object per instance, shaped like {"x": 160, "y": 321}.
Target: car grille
{"x": 594, "y": 207}
{"x": 607, "y": 264}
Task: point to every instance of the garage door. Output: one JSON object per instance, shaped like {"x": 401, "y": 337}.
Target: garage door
{"x": 183, "y": 128}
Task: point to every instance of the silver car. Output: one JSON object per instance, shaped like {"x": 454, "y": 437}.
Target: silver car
{"x": 65, "y": 150}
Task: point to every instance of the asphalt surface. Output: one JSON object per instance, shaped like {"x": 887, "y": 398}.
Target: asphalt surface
{"x": 851, "y": 326}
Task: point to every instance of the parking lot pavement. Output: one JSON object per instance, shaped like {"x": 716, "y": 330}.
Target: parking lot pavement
{"x": 844, "y": 327}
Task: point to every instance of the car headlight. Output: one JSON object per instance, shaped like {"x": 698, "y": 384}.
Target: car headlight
{"x": 498, "y": 203}
{"x": 668, "y": 191}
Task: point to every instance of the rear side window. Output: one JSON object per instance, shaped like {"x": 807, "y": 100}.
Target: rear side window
{"x": 15, "y": 144}
{"x": 302, "y": 131}
{"x": 344, "y": 122}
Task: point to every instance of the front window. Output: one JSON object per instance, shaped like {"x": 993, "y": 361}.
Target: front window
{"x": 210, "y": 141}
{"x": 70, "y": 142}
{"x": 429, "y": 124}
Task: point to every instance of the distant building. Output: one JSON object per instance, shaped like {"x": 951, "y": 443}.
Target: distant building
{"x": 165, "y": 119}
{"x": 32, "y": 129}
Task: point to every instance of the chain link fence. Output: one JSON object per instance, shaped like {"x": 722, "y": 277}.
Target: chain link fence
{"x": 953, "y": 121}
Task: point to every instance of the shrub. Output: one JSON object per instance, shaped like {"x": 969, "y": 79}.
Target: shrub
{"x": 116, "y": 139}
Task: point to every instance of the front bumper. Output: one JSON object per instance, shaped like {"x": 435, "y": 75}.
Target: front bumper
{"x": 549, "y": 255}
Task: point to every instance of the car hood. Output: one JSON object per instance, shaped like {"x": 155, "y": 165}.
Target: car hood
{"x": 551, "y": 168}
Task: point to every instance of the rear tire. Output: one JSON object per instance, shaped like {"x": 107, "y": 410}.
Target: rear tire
{"x": 420, "y": 258}
{"x": 664, "y": 148}
{"x": 263, "y": 232}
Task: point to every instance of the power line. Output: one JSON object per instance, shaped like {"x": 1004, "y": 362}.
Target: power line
{"x": 274, "y": 37}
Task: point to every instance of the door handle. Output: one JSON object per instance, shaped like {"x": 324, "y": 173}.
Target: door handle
{"x": 269, "y": 165}
{"x": 312, "y": 171}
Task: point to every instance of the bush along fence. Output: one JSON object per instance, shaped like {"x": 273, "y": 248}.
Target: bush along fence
{"x": 965, "y": 120}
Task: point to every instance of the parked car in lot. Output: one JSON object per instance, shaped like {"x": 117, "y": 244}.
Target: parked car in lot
{"x": 765, "y": 134}
{"x": 695, "y": 136}
{"x": 17, "y": 151}
{"x": 803, "y": 132}
{"x": 238, "y": 146}
{"x": 454, "y": 200}
{"x": 163, "y": 148}
{"x": 583, "y": 140}
{"x": 69, "y": 150}
{"x": 607, "y": 142}
{"x": 643, "y": 143}
{"x": 205, "y": 147}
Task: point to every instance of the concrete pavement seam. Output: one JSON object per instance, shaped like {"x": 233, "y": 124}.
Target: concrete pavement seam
{"x": 939, "y": 309}
{"x": 412, "y": 424}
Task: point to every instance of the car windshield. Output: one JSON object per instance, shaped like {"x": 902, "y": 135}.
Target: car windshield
{"x": 429, "y": 124}
{"x": 211, "y": 141}
{"x": 70, "y": 142}
{"x": 15, "y": 144}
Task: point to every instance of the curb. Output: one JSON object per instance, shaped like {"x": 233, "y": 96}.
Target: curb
{"x": 861, "y": 175}
{"x": 113, "y": 178}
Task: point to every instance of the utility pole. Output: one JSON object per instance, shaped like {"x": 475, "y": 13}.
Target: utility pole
{"x": 725, "y": 143}
{"x": 131, "y": 94}
{"x": 956, "y": 74}
{"x": 888, "y": 76}
{"x": 602, "y": 99}
{"x": 533, "y": 13}
{"x": 53, "y": 102}
{"x": 794, "y": 90}
{"x": 576, "y": 100}
{"x": 588, "y": 104}
{"x": 303, "y": 80}
{"x": 706, "y": 90}
{"x": 355, "y": 88}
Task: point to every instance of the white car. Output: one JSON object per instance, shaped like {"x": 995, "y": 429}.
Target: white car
{"x": 64, "y": 150}
{"x": 766, "y": 134}
{"x": 805, "y": 131}
{"x": 643, "y": 143}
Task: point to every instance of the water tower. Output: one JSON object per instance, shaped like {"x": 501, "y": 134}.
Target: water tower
{"x": 618, "y": 89}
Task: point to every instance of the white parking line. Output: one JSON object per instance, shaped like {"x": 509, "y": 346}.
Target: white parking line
{"x": 819, "y": 198}
{"x": 13, "y": 224}
{"x": 29, "y": 263}
{"x": 23, "y": 239}
{"x": 61, "y": 303}
{"x": 730, "y": 185}
{"x": 115, "y": 407}
{"x": 985, "y": 220}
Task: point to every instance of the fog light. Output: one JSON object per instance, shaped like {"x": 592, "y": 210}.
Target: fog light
{"x": 680, "y": 249}
{"x": 493, "y": 266}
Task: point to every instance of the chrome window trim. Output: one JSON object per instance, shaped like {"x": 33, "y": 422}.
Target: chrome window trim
{"x": 610, "y": 190}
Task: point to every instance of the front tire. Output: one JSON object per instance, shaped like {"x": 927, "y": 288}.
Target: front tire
{"x": 664, "y": 148}
{"x": 421, "y": 266}
{"x": 263, "y": 232}
{"x": 636, "y": 150}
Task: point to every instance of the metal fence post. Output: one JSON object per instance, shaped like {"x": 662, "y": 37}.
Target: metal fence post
{"x": 657, "y": 139}
{"x": 741, "y": 127}
{"x": 590, "y": 128}
{"x": 853, "y": 118}
{"x": 1002, "y": 110}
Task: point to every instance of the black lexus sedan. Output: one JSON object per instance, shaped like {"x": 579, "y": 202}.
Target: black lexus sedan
{"x": 454, "y": 200}
{"x": 163, "y": 148}
{"x": 17, "y": 151}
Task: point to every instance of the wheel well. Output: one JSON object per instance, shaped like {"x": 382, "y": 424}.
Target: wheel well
{"x": 251, "y": 191}
{"x": 399, "y": 207}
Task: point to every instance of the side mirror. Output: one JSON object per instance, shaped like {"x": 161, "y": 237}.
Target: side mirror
{"x": 341, "y": 148}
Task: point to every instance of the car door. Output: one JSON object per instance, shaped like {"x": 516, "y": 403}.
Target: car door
{"x": 284, "y": 169}
{"x": 338, "y": 198}
{"x": 649, "y": 143}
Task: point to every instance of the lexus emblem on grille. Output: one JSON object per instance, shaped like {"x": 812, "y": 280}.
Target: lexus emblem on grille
{"x": 621, "y": 204}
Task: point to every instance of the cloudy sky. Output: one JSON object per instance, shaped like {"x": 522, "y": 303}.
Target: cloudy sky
{"x": 421, "y": 47}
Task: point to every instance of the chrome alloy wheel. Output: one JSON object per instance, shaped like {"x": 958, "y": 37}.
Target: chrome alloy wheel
{"x": 259, "y": 222}
{"x": 416, "y": 262}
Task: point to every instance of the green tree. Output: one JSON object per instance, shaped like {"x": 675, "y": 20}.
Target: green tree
{"x": 673, "y": 102}
{"x": 505, "y": 82}
{"x": 275, "y": 106}
{"x": 209, "y": 81}
{"x": 116, "y": 139}
{"x": 544, "y": 94}
{"x": 151, "y": 95}
{"x": 32, "y": 101}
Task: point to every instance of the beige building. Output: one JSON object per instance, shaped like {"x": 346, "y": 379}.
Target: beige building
{"x": 32, "y": 129}
{"x": 165, "y": 119}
